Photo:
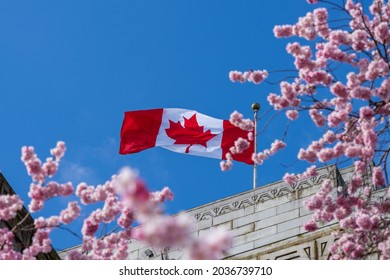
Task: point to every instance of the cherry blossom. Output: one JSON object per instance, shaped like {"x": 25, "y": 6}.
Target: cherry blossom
{"x": 7, "y": 251}
{"x": 212, "y": 246}
{"x": 237, "y": 119}
{"x": 275, "y": 147}
{"x": 228, "y": 163}
{"x": 256, "y": 76}
{"x": 163, "y": 195}
{"x": 292, "y": 114}
{"x": 9, "y": 205}
{"x": 69, "y": 214}
{"x": 293, "y": 178}
{"x": 120, "y": 202}
{"x": 343, "y": 84}
{"x": 240, "y": 145}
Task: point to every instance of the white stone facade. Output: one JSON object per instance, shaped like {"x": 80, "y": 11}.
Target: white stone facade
{"x": 267, "y": 222}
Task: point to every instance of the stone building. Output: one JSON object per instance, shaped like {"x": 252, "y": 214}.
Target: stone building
{"x": 23, "y": 220}
{"x": 266, "y": 222}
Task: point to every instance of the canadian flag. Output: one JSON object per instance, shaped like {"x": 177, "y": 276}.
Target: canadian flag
{"x": 182, "y": 131}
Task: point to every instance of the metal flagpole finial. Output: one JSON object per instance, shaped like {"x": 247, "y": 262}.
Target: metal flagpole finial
{"x": 255, "y": 108}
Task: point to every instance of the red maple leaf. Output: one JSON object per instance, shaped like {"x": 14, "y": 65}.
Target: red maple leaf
{"x": 190, "y": 134}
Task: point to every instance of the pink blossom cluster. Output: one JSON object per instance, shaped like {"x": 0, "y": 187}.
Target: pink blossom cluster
{"x": 358, "y": 141}
{"x": 36, "y": 169}
{"x": 308, "y": 27}
{"x": 340, "y": 114}
{"x": 7, "y": 251}
{"x": 317, "y": 117}
{"x": 126, "y": 218}
{"x": 110, "y": 247}
{"x": 339, "y": 90}
{"x": 365, "y": 234}
{"x": 289, "y": 98}
{"x": 123, "y": 200}
{"x": 317, "y": 150}
{"x": 9, "y": 205}
{"x": 51, "y": 222}
{"x": 362, "y": 223}
{"x": 163, "y": 195}
{"x": 292, "y": 114}
{"x": 332, "y": 50}
{"x": 227, "y": 164}
{"x": 90, "y": 194}
{"x": 126, "y": 199}
{"x": 111, "y": 209}
{"x": 133, "y": 191}
{"x": 309, "y": 70}
{"x": 237, "y": 119}
{"x": 71, "y": 213}
{"x": 293, "y": 178}
{"x": 59, "y": 151}
{"x": 343, "y": 84}
{"x": 39, "y": 192}
{"x": 160, "y": 231}
{"x": 240, "y": 145}
{"x": 315, "y": 72}
{"x": 255, "y": 77}
{"x": 376, "y": 69}
{"x": 210, "y": 247}
{"x": 378, "y": 179}
{"x": 41, "y": 243}
{"x": 275, "y": 147}
{"x": 384, "y": 248}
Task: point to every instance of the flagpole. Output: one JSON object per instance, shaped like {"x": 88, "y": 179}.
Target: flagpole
{"x": 255, "y": 108}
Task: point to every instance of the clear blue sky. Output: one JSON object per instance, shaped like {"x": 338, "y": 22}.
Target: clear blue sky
{"x": 70, "y": 69}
